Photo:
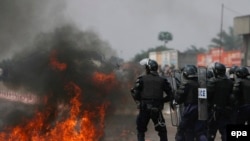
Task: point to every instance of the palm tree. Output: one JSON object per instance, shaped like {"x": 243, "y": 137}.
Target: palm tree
{"x": 165, "y": 37}
{"x": 229, "y": 41}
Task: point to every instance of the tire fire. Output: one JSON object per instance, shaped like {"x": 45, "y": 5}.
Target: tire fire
{"x": 76, "y": 120}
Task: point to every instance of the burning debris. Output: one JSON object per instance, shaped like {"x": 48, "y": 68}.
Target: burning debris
{"x": 59, "y": 85}
{"x": 76, "y": 93}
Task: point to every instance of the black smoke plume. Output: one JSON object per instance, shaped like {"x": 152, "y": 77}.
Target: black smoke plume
{"x": 21, "y": 20}
{"x": 79, "y": 53}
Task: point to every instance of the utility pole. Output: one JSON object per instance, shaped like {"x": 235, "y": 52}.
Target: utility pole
{"x": 221, "y": 30}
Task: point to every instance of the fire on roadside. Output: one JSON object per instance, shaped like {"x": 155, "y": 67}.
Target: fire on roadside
{"x": 80, "y": 124}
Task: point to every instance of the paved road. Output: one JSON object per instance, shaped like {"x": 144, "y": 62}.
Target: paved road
{"x": 122, "y": 128}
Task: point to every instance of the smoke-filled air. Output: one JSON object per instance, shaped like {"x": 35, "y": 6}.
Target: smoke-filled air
{"x": 58, "y": 82}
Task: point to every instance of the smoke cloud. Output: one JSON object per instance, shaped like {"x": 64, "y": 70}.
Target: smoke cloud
{"x": 82, "y": 52}
{"x": 41, "y": 54}
{"x": 20, "y": 21}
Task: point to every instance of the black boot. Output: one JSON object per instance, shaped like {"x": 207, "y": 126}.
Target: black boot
{"x": 141, "y": 137}
{"x": 179, "y": 136}
{"x": 163, "y": 137}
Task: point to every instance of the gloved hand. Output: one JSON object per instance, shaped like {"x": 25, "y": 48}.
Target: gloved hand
{"x": 138, "y": 104}
{"x": 132, "y": 90}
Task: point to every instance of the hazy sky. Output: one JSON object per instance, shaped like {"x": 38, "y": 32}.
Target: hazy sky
{"x": 131, "y": 26}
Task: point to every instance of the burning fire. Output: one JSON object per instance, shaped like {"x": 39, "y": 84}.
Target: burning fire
{"x": 80, "y": 124}
{"x": 77, "y": 127}
{"x": 55, "y": 64}
{"x": 106, "y": 82}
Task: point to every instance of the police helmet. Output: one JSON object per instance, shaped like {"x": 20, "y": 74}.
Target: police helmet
{"x": 232, "y": 69}
{"x": 152, "y": 65}
{"x": 190, "y": 71}
{"x": 242, "y": 72}
{"x": 210, "y": 74}
{"x": 219, "y": 69}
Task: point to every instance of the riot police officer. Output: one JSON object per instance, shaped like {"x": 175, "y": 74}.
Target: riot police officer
{"x": 231, "y": 72}
{"x": 190, "y": 128}
{"x": 219, "y": 89}
{"x": 233, "y": 77}
{"x": 241, "y": 91}
{"x": 148, "y": 93}
{"x": 210, "y": 74}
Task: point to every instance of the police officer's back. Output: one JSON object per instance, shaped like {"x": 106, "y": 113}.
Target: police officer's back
{"x": 188, "y": 91}
{"x": 148, "y": 92}
{"x": 219, "y": 89}
{"x": 190, "y": 128}
{"x": 241, "y": 94}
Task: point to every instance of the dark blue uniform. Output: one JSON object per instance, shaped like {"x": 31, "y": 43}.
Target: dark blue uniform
{"x": 219, "y": 90}
{"x": 190, "y": 128}
{"x": 232, "y": 76}
{"x": 241, "y": 92}
{"x": 149, "y": 93}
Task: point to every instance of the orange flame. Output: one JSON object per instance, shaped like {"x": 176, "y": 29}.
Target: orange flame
{"x": 55, "y": 64}
{"x": 77, "y": 127}
{"x": 104, "y": 81}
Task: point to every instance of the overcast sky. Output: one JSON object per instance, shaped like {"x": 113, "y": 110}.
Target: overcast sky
{"x": 131, "y": 26}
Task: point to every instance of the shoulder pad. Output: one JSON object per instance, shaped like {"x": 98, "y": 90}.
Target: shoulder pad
{"x": 212, "y": 80}
{"x": 184, "y": 82}
{"x": 165, "y": 78}
{"x": 139, "y": 77}
{"x": 139, "y": 81}
{"x": 237, "y": 81}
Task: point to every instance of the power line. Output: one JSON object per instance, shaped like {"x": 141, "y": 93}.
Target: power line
{"x": 231, "y": 10}
{"x": 221, "y": 28}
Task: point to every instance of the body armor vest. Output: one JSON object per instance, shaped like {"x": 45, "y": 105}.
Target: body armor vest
{"x": 192, "y": 93}
{"x": 152, "y": 87}
{"x": 222, "y": 90}
{"x": 245, "y": 92}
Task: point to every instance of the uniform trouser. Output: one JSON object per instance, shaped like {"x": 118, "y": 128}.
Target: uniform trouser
{"x": 190, "y": 128}
{"x": 233, "y": 116}
{"x": 243, "y": 115}
{"x": 158, "y": 120}
{"x": 218, "y": 120}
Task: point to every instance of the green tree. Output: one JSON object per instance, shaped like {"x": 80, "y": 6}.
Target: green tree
{"x": 229, "y": 40}
{"x": 165, "y": 37}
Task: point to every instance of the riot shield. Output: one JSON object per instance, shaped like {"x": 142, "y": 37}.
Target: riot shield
{"x": 202, "y": 93}
{"x": 175, "y": 113}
